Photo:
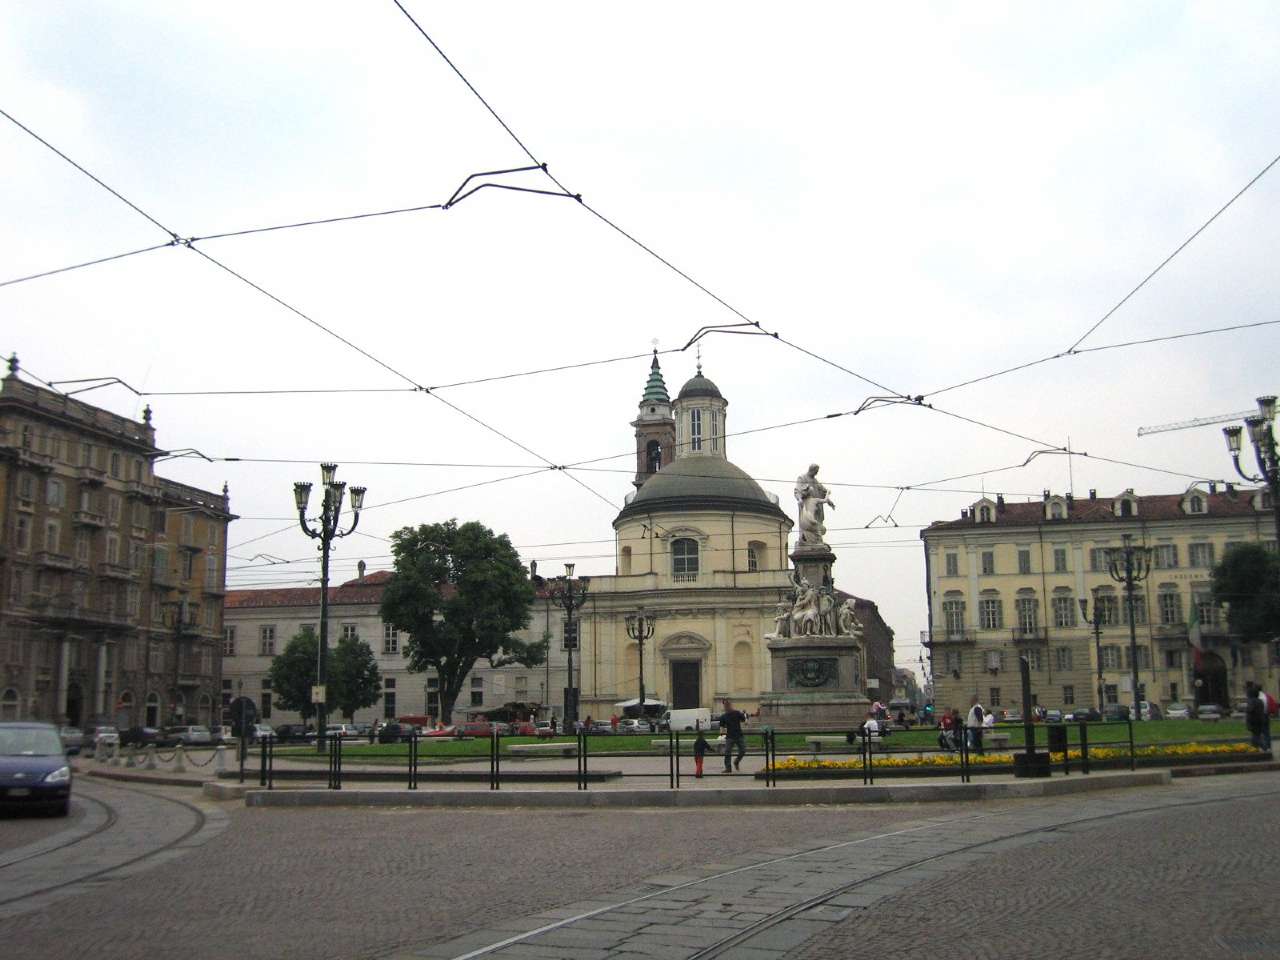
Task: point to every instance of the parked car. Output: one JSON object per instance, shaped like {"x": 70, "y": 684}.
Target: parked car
{"x": 1209, "y": 711}
{"x": 1008, "y": 716}
{"x": 145, "y": 736}
{"x": 71, "y": 738}
{"x": 1238, "y": 709}
{"x": 347, "y": 731}
{"x": 189, "y": 736}
{"x": 1149, "y": 711}
{"x": 524, "y": 728}
{"x": 260, "y": 731}
{"x": 395, "y": 732}
{"x": 1089, "y": 714}
{"x": 601, "y": 726}
{"x": 220, "y": 734}
{"x": 33, "y": 767}
{"x": 1116, "y": 711}
{"x": 107, "y": 736}
{"x": 1177, "y": 711}
{"x": 294, "y": 733}
{"x": 543, "y": 729}
{"x": 1053, "y": 716}
{"x": 633, "y": 725}
{"x": 480, "y": 728}
{"x": 449, "y": 731}
{"x": 362, "y": 729}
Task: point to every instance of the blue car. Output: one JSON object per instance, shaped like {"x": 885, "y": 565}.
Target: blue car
{"x": 34, "y": 771}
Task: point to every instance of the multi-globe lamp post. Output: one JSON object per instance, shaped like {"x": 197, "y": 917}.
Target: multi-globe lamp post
{"x": 1130, "y": 565}
{"x": 327, "y": 530}
{"x": 570, "y": 594}
{"x": 1262, "y": 438}
{"x": 640, "y": 628}
{"x": 1098, "y": 619}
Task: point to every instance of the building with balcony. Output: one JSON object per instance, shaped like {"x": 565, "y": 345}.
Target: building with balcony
{"x": 1005, "y": 581}
{"x": 111, "y": 578}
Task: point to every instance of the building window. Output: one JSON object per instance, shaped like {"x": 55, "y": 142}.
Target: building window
{"x": 1111, "y": 693}
{"x": 1200, "y": 554}
{"x": 990, "y": 613}
{"x": 229, "y": 641}
{"x": 113, "y": 549}
{"x": 953, "y": 615}
{"x": 1024, "y": 561}
{"x": 388, "y": 704}
{"x": 1055, "y": 511}
{"x": 115, "y": 465}
{"x": 1028, "y": 614}
{"x": 1106, "y": 609}
{"x": 994, "y": 699}
{"x": 1111, "y": 658}
{"x": 22, "y": 533}
{"x": 684, "y": 559}
{"x": 1173, "y": 692}
{"x": 953, "y": 565}
{"x": 984, "y": 514}
{"x": 1165, "y": 556}
{"x": 1068, "y": 695}
{"x": 522, "y": 688}
{"x": 1034, "y": 660}
{"x": 267, "y": 641}
{"x": 695, "y": 429}
{"x": 653, "y": 456}
{"x": 212, "y": 580}
{"x": 349, "y": 632}
{"x": 55, "y": 494}
{"x": 477, "y": 698}
{"x": 1173, "y": 660}
{"x": 266, "y": 706}
{"x": 715, "y": 429}
{"x": 1195, "y": 505}
{"x": 988, "y": 562}
{"x": 1064, "y": 610}
{"x": 82, "y": 547}
{"x": 1100, "y": 559}
{"x": 1139, "y": 610}
{"x": 1170, "y": 607}
{"x": 1206, "y": 610}
{"x": 755, "y": 556}
{"x": 390, "y": 639}
{"x": 1062, "y": 656}
{"x": 52, "y": 536}
{"x": 1060, "y": 560}
{"x": 433, "y": 683}
{"x": 1144, "y": 658}
{"x": 955, "y": 661}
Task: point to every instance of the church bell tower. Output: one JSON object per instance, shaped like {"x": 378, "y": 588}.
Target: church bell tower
{"x": 655, "y": 427}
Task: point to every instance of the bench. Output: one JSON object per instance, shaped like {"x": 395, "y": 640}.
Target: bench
{"x": 995, "y": 739}
{"x": 545, "y": 749}
{"x": 818, "y": 743}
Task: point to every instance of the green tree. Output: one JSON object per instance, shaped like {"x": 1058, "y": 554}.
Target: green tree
{"x": 293, "y": 671}
{"x": 1248, "y": 578}
{"x": 354, "y": 680}
{"x": 459, "y": 592}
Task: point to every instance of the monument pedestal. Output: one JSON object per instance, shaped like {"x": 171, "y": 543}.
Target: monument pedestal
{"x": 817, "y": 684}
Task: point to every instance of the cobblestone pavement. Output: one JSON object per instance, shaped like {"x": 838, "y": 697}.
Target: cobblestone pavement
{"x": 21, "y": 827}
{"x": 1190, "y": 883}
{"x": 635, "y": 883}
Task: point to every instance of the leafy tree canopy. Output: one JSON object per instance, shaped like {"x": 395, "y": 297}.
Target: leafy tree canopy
{"x": 354, "y": 680}
{"x": 459, "y": 592}
{"x": 1248, "y": 578}
{"x": 293, "y": 671}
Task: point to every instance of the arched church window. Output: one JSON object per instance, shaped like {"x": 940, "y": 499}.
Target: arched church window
{"x": 625, "y": 563}
{"x": 715, "y": 430}
{"x": 653, "y": 456}
{"x": 684, "y": 559}
{"x": 695, "y": 429}
{"x": 755, "y": 556}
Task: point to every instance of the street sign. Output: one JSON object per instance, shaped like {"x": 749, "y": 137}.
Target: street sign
{"x": 317, "y": 693}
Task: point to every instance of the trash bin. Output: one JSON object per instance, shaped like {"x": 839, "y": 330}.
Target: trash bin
{"x": 1057, "y": 737}
{"x": 1031, "y": 765}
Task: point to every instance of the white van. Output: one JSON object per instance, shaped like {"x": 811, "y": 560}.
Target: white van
{"x": 697, "y": 718}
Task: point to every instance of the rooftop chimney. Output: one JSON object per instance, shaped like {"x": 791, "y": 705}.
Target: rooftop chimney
{"x": 1093, "y": 494}
{"x": 1213, "y": 486}
{"x": 360, "y": 570}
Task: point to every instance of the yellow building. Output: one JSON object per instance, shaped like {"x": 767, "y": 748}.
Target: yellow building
{"x": 113, "y": 578}
{"x": 1005, "y": 580}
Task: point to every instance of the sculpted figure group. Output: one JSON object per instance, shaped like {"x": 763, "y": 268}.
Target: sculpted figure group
{"x": 814, "y": 613}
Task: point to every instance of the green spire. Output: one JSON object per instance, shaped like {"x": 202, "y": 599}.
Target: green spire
{"x": 655, "y": 391}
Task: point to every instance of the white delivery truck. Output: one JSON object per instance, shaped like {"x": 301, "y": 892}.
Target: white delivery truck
{"x": 696, "y": 718}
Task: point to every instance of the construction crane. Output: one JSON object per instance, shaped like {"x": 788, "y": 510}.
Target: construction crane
{"x": 1198, "y": 422}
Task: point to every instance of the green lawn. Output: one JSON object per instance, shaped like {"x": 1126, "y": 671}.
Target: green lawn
{"x": 446, "y": 750}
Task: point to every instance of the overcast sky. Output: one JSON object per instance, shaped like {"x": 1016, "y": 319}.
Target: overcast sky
{"x": 922, "y": 194}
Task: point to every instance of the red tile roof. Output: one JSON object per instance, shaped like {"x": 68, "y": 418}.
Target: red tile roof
{"x": 1154, "y": 507}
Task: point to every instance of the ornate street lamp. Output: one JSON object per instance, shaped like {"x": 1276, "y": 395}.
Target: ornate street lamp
{"x": 570, "y": 594}
{"x": 640, "y": 628}
{"x": 1130, "y": 565}
{"x": 1263, "y": 439}
{"x": 1096, "y": 623}
{"x": 328, "y": 530}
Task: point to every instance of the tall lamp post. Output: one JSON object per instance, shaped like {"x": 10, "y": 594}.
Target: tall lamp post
{"x": 570, "y": 594}
{"x": 1096, "y": 623}
{"x": 640, "y": 628}
{"x": 1263, "y": 438}
{"x": 1130, "y": 564}
{"x": 328, "y": 530}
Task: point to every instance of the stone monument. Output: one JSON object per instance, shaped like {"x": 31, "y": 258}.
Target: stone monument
{"x": 819, "y": 665}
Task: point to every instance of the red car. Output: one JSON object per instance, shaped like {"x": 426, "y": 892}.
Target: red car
{"x": 480, "y": 728}
{"x": 449, "y": 731}
{"x": 524, "y": 728}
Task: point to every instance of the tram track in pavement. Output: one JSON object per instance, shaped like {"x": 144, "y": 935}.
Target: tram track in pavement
{"x": 742, "y": 936}
{"x": 113, "y": 817}
{"x": 40, "y": 848}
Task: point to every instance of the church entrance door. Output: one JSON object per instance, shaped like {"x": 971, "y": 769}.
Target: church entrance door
{"x": 686, "y": 691}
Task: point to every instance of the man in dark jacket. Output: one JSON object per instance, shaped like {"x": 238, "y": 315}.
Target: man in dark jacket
{"x": 732, "y": 721}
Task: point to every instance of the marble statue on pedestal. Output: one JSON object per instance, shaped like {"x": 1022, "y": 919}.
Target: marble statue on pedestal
{"x": 812, "y": 497}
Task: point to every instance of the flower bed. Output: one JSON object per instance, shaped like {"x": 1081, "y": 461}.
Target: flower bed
{"x": 1167, "y": 755}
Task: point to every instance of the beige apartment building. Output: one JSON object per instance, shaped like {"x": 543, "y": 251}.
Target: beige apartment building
{"x": 1005, "y": 580}
{"x": 113, "y": 578}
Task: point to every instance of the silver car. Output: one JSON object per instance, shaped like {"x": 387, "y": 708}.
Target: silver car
{"x": 190, "y": 736}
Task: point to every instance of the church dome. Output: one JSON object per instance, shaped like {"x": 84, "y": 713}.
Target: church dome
{"x": 699, "y": 386}
{"x": 695, "y": 484}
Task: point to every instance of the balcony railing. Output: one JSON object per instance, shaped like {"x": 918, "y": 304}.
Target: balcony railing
{"x": 941, "y": 636}
{"x": 117, "y": 571}
{"x": 87, "y": 518}
{"x": 1030, "y": 635}
{"x": 58, "y": 561}
{"x": 685, "y": 577}
{"x": 91, "y": 475}
{"x": 142, "y": 490}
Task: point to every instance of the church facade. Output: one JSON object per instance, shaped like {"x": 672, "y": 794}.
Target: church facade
{"x": 703, "y": 549}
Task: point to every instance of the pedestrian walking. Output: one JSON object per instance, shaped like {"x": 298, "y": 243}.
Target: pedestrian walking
{"x": 732, "y": 721}
{"x": 1255, "y": 716}
{"x": 973, "y": 725}
{"x": 700, "y": 748}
